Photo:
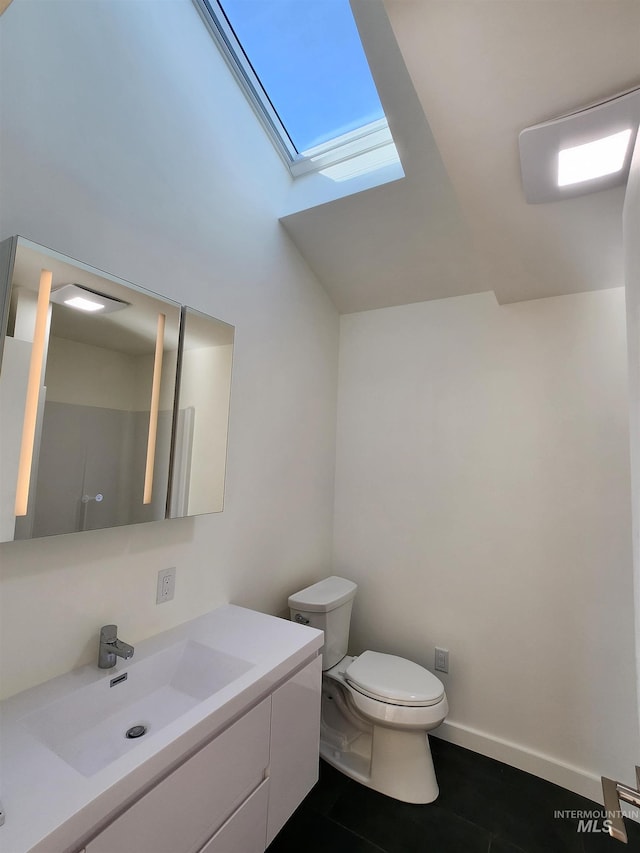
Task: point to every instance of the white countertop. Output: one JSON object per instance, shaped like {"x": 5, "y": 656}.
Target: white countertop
{"x": 50, "y": 807}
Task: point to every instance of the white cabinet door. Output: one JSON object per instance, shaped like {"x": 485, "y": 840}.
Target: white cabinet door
{"x": 244, "y": 832}
{"x": 186, "y": 808}
{"x": 295, "y": 738}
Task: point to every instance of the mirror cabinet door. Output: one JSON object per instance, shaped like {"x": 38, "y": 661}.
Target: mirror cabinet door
{"x": 87, "y": 388}
{"x": 201, "y": 416}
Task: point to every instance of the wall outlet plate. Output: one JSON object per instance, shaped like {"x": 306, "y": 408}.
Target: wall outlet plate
{"x": 166, "y": 585}
{"x": 442, "y": 660}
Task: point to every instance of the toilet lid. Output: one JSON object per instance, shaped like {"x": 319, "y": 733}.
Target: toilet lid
{"x": 394, "y": 679}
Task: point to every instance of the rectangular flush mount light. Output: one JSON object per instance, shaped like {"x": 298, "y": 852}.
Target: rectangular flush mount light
{"x": 581, "y": 152}
{"x": 84, "y": 299}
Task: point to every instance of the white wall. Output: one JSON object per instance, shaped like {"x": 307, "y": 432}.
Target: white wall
{"x": 126, "y": 143}
{"x": 85, "y": 375}
{"x": 482, "y": 504}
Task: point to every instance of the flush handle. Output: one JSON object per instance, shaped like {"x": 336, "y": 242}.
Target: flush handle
{"x": 613, "y": 793}
{"x": 301, "y": 619}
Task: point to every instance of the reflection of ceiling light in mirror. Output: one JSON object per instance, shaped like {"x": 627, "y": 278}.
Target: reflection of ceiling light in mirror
{"x": 85, "y": 299}
{"x": 604, "y": 156}
{"x": 83, "y": 304}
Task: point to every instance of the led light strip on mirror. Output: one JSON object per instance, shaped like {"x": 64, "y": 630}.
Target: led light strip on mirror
{"x": 33, "y": 393}
{"x": 153, "y": 411}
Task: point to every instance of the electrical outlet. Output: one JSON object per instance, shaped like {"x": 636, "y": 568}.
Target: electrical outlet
{"x": 166, "y": 585}
{"x": 442, "y": 660}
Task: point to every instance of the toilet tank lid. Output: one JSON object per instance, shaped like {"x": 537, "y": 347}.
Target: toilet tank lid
{"x": 324, "y": 596}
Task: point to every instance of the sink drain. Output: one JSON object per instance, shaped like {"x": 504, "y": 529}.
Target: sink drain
{"x": 136, "y": 731}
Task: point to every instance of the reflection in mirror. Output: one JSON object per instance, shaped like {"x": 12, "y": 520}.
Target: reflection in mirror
{"x": 99, "y": 383}
{"x": 202, "y": 416}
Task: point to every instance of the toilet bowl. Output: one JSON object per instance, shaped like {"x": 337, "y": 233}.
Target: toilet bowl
{"x": 376, "y": 708}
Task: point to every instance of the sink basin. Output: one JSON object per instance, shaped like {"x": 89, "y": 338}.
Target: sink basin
{"x": 88, "y": 727}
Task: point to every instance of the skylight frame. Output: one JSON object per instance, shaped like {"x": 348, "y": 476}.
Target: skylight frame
{"x": 352, "y": 144}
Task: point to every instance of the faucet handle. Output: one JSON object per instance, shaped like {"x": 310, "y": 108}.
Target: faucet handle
{"x": 108, "y": 633}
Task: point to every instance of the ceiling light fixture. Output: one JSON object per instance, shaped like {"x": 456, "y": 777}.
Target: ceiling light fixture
{"x": 582, "y": 152}
{"x": 84, "y": 299}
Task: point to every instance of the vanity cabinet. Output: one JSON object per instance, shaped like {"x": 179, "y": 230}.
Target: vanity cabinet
{"x": 235, "y": 793}
{"x": 295, "y": 744}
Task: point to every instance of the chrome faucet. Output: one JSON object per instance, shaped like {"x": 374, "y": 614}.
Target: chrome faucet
{"x": 111, "y": 647}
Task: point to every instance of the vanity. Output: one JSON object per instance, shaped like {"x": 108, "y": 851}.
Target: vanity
{"x": 229, "y": 705}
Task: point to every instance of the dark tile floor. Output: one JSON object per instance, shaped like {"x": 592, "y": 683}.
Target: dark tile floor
{"x": 484, "y": 807}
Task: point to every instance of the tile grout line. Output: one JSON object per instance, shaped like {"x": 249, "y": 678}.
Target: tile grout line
{"x": 357, "y": 835}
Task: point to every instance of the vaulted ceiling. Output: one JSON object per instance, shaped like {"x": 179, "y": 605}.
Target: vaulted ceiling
{"x": 459, "y": 79}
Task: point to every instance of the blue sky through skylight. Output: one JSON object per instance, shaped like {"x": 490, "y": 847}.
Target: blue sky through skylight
{"x": 310, "y": 61}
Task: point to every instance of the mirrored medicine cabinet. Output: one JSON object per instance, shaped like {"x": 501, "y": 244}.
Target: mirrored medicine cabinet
{"x": 114, "y": 401}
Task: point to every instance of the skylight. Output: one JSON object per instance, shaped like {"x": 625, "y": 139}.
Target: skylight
{"x": 302, "y": 64}
{"x": 309, "y": 59}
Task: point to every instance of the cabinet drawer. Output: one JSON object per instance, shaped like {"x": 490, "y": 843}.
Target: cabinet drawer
{"x": 245, "y": 830}
{"x": 182, "y": 811}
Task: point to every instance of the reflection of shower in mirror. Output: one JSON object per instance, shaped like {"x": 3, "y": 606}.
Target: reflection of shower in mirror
{"x": 85, "y": 499}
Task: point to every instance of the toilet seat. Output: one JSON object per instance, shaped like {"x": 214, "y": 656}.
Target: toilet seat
{"x": 394, "y": 680}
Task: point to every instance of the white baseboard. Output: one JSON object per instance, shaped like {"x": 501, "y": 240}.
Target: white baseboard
{"x": 575, "y": 779}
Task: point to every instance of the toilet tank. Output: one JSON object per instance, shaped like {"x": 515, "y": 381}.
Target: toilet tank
{"x": 327, "y": 605}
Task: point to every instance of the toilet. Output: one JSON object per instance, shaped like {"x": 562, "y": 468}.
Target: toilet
{"x": 376, "y": 708}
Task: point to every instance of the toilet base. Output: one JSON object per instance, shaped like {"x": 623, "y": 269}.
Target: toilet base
{"x": 396, "y": 763}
